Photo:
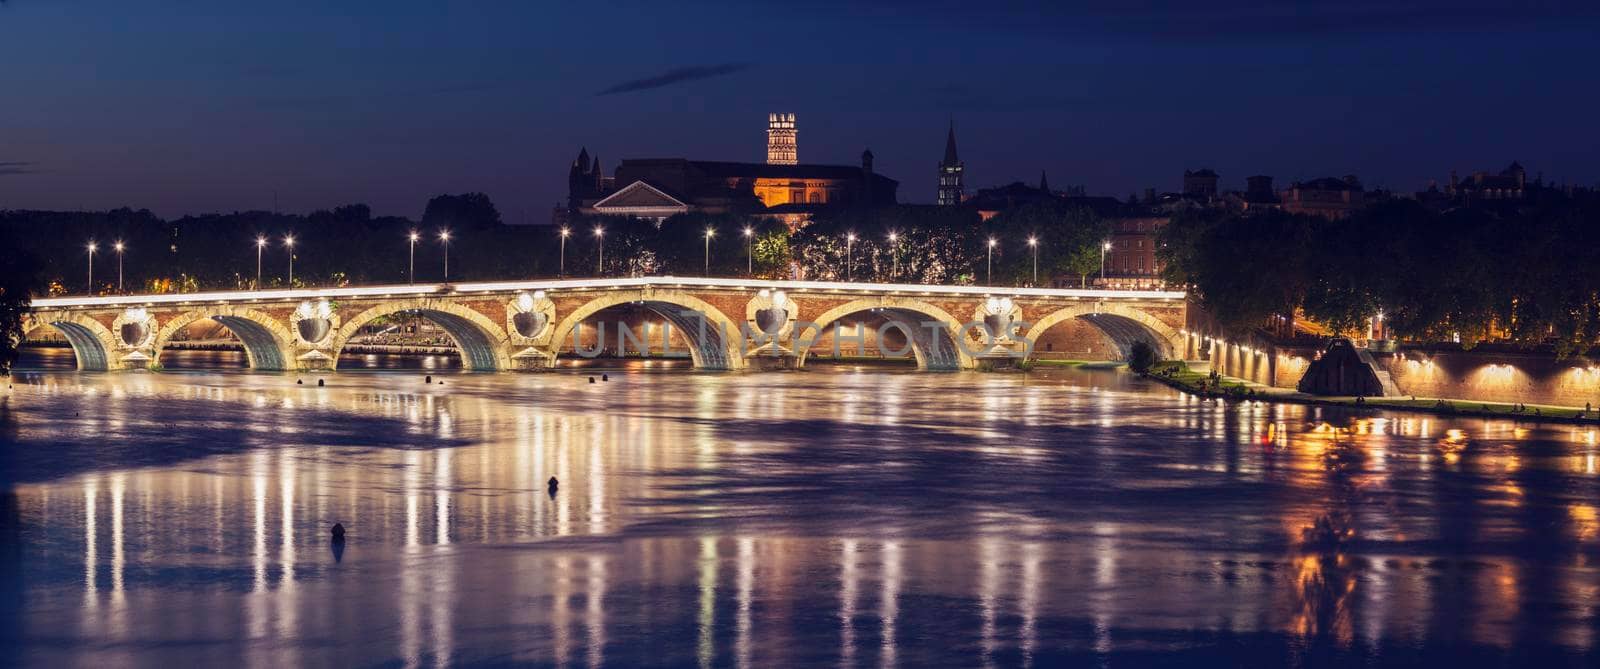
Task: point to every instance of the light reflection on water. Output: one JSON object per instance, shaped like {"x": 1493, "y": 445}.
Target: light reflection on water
{"x": 829, "y": 517}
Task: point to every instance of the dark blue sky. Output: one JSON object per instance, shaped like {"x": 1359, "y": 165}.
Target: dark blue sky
{"x": 186, "y": 107}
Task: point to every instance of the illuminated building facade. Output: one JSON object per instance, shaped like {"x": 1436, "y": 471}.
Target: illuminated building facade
{"x": 781, "y": 146}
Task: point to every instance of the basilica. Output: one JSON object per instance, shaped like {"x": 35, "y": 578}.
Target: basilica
{"x": 784, "y": 187}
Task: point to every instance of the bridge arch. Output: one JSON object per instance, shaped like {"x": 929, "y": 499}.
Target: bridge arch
{"x": 935, "y": 350}
{"x": 1122, "y": 324}
{"x": 483, "y": 344}
{"x": 267, "y": 343}
{"x": 715, "y": 341}
{"x": 92, "y": 342}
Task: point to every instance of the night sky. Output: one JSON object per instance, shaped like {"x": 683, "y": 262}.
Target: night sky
{"x": 189, "y": 107}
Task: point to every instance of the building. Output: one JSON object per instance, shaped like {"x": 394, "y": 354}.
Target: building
{"x": 952, "y": 188}
{"x": 1259, "y": 194}
{"x": 782, "y": 148}
{"x": 657, "y": 188}
{"x": 1131, "y": 261}
{"x": 1328, "y": 197}
{"x": 1510, "y": 184}
{"x": 1201, "y": 183}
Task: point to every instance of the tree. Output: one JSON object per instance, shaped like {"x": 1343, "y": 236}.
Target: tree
{"x": 19, "y": 277}
{"x": 468, "y": 211}
{"x": 1141, "y": 357}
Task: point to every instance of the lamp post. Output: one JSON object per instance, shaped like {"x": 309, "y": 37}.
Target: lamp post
{"x": 1103, "y": 248}
{"x": 600, "y": 244}
{"x": 288, "y": 242}
{"x": 749, "y": 251}
{"x": 849, "y": 255}
{"x": 411, "y": 274}
{"x": 119, "y": 247}
{"x": 894, "y": 256}
{"x": 444, "y": 238}
{"x": 261, "y": 244}
{"x": 992, "y": 243}
{"x": 1033, "y": 243}
{"x": 706, "y": 271}
{"x": 92, "y": 246}
{"x": 565, "y": 233}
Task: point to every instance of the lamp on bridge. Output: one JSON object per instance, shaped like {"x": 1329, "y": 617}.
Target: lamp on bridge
{"x": 565, "y": 233}
{"x": 288, "y": 243}
{"x": 411, "y": 275}
{"x": 92, "y": 246}
{"x": 1103, "y": 248}
{"x": 444, "y": 238}
{"x": 1033, "y": 243}
{"x": 849, "y": 254}
{"x": 261, "y": 245}
{"x": 600, "y": 245}
{"x": 749, "y": 251}
{"x": 710, "y": 232}
{"x": 119, "y": 247}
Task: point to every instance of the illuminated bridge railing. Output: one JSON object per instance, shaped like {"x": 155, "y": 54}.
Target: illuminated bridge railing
{"x": 440, "y": 289}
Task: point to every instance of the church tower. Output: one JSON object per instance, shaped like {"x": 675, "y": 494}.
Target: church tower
{"x": 951, "y": 187}
{"x": 781, "y": 149}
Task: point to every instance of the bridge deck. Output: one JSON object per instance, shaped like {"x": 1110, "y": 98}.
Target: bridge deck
{"x": 431, "y": 289}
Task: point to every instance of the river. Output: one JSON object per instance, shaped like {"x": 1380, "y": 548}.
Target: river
{"x": 856, "y": 516}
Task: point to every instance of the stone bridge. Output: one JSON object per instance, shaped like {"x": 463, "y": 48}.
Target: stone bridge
{"x": 728, "y": 324}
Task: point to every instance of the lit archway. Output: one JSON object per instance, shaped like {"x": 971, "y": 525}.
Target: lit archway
{"x": 935, "y": 347}
{"x": 1121, "y": 324}
{"x": 267, "y": 343}
{"x": 715, "y": 341}
{"x": 92, "y": 342}
{"x": 483, "y": 343}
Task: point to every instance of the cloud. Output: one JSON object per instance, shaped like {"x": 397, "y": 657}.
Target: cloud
{"x": 9, "y": 167}
{"x": 674, "y": 76}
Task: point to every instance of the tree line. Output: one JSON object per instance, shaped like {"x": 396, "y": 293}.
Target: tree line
{"x": 1527, "y": 271}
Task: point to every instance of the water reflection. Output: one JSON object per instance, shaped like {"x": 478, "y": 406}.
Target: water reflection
{"x": 839, "y": 518}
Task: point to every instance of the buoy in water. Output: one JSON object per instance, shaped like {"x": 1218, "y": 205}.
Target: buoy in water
{"x": 321, "y": 383}
{"x": 605, "y": 377}
{"x": 338, "y": 532}
{"x": 427, "y": 379}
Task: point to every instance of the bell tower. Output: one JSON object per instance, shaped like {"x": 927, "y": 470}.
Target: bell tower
{"x": 781, "y": 149}
{"x": 951, "y": 170}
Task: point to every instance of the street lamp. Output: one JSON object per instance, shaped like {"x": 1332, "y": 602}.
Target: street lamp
{"x": 1103, "y": 248}
{"x": 92, "y": 246}
{"x": 749, "y": 251}
{"x": 119, "y": 247}
{"x": 600, "y": 244}
{"x": 412, "y": 273}
{"x": 709, "y": 234}
{"x": 894, "y": 256}
{"x": 444, "y": 238}
{"x": 288, "y": 242}
{"x": 849, "y": 254}
{"x": 992, "y": 243}
{"x": 261, "y": 244}
{"x": 565, "y": 233}
{"x": 1033, "y": 243}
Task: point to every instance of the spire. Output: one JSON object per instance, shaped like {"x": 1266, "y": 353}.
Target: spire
{"x": 596, "y": 169}
{"x": 950, "y": 146}
{"x": 1044, "y": 182}
{"x": 583, "y": 159}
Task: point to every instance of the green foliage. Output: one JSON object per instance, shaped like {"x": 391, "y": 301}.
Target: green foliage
{"x": 1069, "y": 241}
{"x": 1141, "y": 357}
{"x": 468, "y": 211}
{"x": 1529, "y": 270}
{"x": 19, "y": 280}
